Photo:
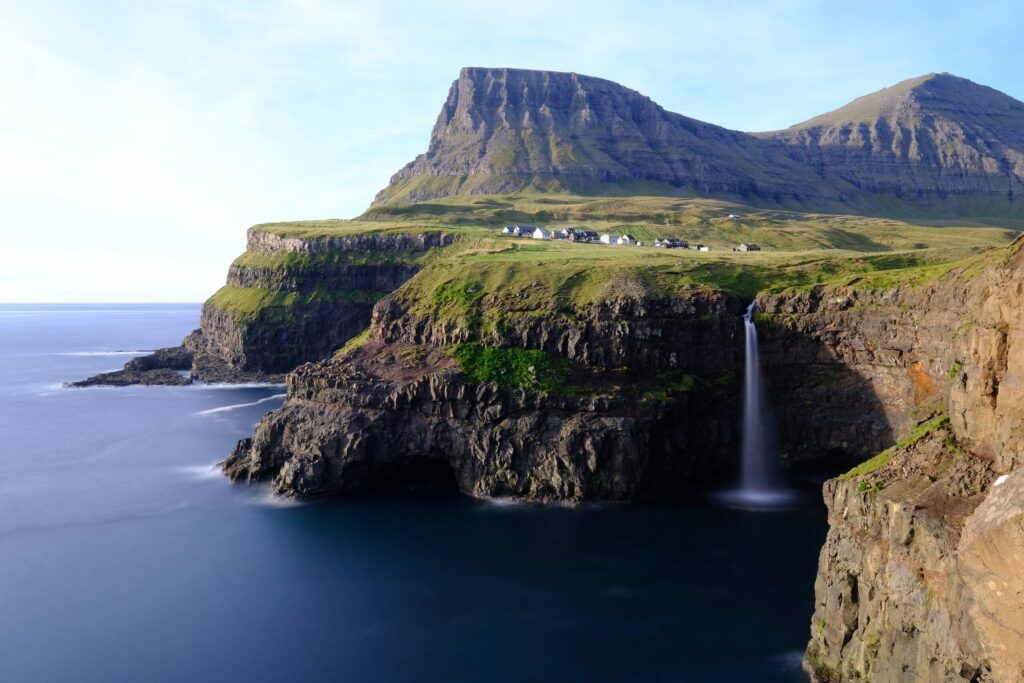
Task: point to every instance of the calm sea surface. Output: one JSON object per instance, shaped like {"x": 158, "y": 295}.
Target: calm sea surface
{"x": 125, "y": 556}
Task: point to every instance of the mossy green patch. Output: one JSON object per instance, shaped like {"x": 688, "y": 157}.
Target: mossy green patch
{"x": 882, "y": 459}
{"x": 512, "y": 367}
{"x": 671, "y": 384}
{"x": 245, "y": 304}
{"x": 353, "y": 344}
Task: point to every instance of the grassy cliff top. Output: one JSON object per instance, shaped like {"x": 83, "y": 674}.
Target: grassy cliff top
{"x": 555, "y": 274}
{"x": 649, "y": 217}
{"x": 800, "y": 250}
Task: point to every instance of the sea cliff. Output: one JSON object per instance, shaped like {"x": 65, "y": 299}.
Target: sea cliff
{"x": 920, "y": 576}
{"x": 622, "y": 400}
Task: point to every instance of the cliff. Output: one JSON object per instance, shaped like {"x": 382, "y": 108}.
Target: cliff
{"x": 909, "y": 585}
{"x": 621, "y": 400}
{"x": 292, "y": 299}
{"x": 936, "y": 145}
{"x": 609, "y": 386}
{"x": 299, "y": 292}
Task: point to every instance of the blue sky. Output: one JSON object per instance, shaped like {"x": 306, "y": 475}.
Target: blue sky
{"x": 139, "y": 139}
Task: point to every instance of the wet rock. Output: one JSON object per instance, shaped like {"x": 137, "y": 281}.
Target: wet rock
{"x": 122, "y": 378}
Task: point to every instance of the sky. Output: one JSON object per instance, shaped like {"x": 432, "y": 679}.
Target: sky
{"x": 138, "y": 140}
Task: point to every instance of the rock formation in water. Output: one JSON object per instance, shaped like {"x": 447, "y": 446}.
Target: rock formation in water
{"x": 161, "y": 367}
{"x": 936, "y": 145}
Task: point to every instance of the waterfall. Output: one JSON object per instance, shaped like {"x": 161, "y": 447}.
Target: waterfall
{"x": 759, "y": 471}
{"x": 760, "y": 479}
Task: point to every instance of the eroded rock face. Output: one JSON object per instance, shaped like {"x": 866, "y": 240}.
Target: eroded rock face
{"x": 502, "y": 129}
{"x": 277, "y": 338}
{"x": 890, "y": 601}
{"x": 620, "y": 435}
{"x": 933, "y": 139}
{"x": 920, "y": 575}
{"x": 934, "y": 144}
{"x": 991, "y": 564}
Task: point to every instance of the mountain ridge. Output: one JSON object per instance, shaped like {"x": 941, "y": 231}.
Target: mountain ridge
{"x": 936, "y": 143}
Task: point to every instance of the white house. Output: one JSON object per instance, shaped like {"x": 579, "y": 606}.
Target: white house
{"x": 625, "y": 240}
{"x": 607, "y": 238}
{"x": 541, "y": 234}
{"x": 507, "y": 230}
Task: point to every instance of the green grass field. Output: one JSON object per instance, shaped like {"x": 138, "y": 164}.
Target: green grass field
{"x": 799, "y": 251}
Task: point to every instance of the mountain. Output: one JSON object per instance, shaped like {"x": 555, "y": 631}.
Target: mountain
{"x": 505, "y": 130}
{"x": 928, "y": 139}
{"x": 937, "y": 144}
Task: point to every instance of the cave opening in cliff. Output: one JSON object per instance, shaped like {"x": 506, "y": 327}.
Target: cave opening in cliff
{"x": 419, "y": 473}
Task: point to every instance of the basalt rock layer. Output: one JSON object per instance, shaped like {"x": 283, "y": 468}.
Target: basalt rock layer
{"x": 908, "y": 587}
{"x": 648, "y": 403}
{"x": 290, "y": 300}
{"x": 934, "y": 145}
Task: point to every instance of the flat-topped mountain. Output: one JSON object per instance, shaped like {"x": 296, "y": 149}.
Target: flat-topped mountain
{"x": 506, "y": 130}
{"x": 931, "y": 145}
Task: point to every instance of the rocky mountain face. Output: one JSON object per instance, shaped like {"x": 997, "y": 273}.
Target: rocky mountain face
{"x": 505, "y": 130}
{"x": 909, "y": 586}
{"x": 933, "y": 145}
{"x": 929, "y": 141}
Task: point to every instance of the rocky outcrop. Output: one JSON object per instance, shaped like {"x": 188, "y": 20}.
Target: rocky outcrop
{"x": 904, "y": 570}
{"x": 936, "y": 145}
{"x": 161, "y": 367}
{"x": 632, "y": 421}
{"x": 290, "y": 300}
{"x": 892, "y": 603}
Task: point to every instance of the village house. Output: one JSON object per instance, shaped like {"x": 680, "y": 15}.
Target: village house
{"x": 625, "y": 240}
{"x": 523, "y": 230}
{"x": 746, "y": 246}
{"x": 671, "y": 243}
{"x": 607, "y": 238}
{"x": 541, "y": 234}
{"x": 700, "y": 247}
{"x": 585, "y": 236}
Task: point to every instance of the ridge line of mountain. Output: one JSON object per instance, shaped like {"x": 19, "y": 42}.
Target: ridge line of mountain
{"x": 935, "y": 145}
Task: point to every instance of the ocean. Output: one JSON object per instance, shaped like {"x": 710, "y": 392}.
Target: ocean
{"x": 126, "y": 556}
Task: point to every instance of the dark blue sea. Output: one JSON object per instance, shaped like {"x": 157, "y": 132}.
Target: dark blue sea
{"x": 125, "y": 556}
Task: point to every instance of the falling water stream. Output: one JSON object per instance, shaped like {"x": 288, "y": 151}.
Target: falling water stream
{"x": 760, "y": 479}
